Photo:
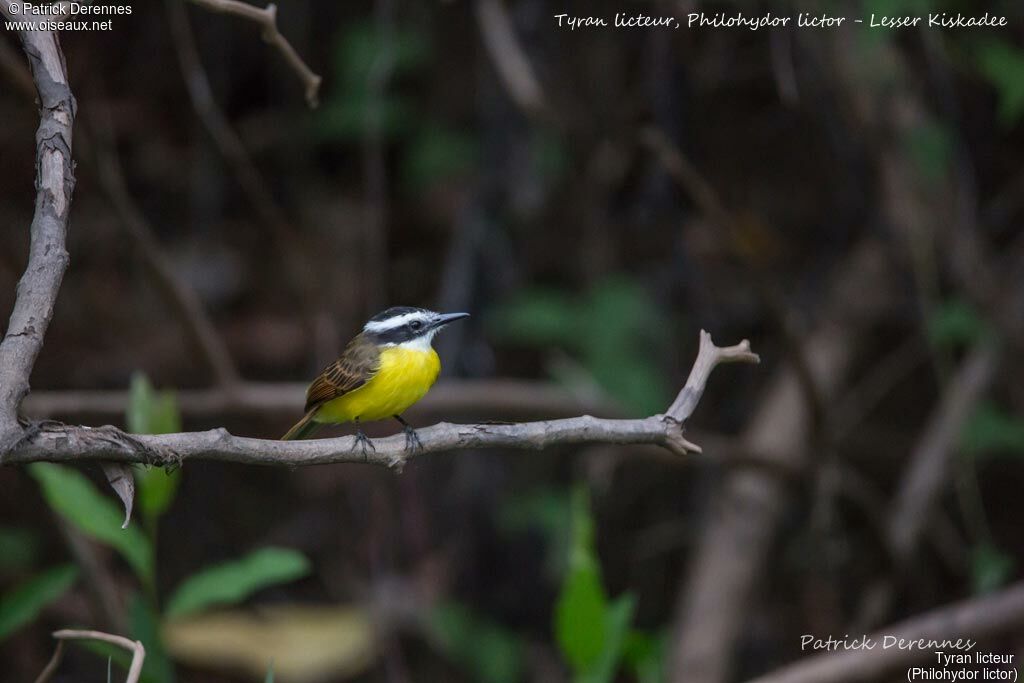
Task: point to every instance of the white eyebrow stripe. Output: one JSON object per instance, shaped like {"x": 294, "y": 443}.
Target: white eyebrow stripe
{"x": 397, "y": 321}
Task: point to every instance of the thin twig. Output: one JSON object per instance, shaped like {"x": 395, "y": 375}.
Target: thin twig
{"x": 292, "y": 248}
{"x": 133, "y": 646}
{"x": 928, "y": 472}
{"x": 973, "y": 619}
{"x": 735, "y": 542}
{"x": 181, "y": 298}
{"x": 931, "y": 459}
{"x": 267, "y": 19}
{"x": 100, "y": 585}
{"x": 710, "y": 203}
{"x": 55, "y": 442}
{"x": 51, "y": 667}
{"x": 509, "y": 57}
{"x": 48, "y": 257}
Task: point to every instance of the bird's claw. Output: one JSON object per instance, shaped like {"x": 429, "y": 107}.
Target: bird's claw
{"x": 412, "y": 440}
{"x": 361, "y": 442}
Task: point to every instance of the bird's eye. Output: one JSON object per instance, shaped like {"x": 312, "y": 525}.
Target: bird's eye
{"x": 415, "y": 325}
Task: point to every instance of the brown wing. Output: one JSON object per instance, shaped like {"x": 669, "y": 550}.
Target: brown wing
{"x": 359, "y": 362}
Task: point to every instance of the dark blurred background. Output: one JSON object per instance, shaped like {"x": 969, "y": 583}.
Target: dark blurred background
{"x": 848, "y": 199}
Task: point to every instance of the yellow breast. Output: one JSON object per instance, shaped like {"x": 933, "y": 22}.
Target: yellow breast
{"x": 405, "y": 375}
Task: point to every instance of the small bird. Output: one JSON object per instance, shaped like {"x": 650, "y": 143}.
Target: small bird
{"x": 384, "y": 369}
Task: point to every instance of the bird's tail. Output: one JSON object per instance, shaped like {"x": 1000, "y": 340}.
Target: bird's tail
{"x": 302, "y": 429}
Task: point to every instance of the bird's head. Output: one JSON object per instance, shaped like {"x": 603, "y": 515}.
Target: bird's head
{"x": 407, "y": 326}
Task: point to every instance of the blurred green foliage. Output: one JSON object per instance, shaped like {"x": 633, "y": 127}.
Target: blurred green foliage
{"x": 593, "y": 633}
{"x": 361, "y": 55}
{"x": 80, "y": 504}
{"x": 1002, "y": 64}
{"x": 591, "y": 630}
{"x": 546, "y": 511}
{"x": 23, "y": 603}
{"x": 436, "y": 153}
{"x": 930, "y": 145}
{"x": 991, "y": 430}
{"x": 483, "y": 648}
{"x": 955, "y": 322}
{"x": 233, "y": 582}
{"x": 645, "y": 656}
{"x": 990, "y": 568}
{"x": 614, "y": 329}
{"x": 152, "y": 412}
{"x": 144, "y": 623}
{"x": 71, "y": 494}
{"x": 19, "y": 549}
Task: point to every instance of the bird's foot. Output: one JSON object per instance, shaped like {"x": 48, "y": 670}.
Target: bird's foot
{"x": 412, "y": 440}
{"x": 361, "y": 442}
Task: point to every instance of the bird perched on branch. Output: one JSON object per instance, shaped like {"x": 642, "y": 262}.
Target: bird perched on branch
{"x": 384, "y": 369}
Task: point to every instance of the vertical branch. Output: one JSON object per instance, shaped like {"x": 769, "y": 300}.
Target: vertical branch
{"x": 182, "y": 299}
{"x": 48, "y": 257}
{"x": 375, "y": 226}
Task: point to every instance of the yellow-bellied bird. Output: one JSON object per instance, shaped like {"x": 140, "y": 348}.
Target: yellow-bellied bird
{"x": 384, "y": 369}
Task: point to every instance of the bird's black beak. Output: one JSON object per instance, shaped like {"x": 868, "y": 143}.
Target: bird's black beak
{"x": 445, "y": 318}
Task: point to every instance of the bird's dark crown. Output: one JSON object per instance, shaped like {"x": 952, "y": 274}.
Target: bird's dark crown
{"x": 395, "y": 311}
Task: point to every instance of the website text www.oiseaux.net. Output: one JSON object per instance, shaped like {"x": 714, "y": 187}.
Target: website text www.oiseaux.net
{"x": 64, "y": 16}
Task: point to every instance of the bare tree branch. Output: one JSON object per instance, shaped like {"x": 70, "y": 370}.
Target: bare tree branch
{"x": 976, "y": 619}
{"x": 182, "y": 298}
{"x": 133, "y": 646}
{"x": 931, "y": 459}
{"x": 51, "y": 666}
{"x": 928, "y": 472}
{"x": 292, "y": 247}
{"x": 737, "y": 538}
{"x": 267, "y": 19}
{"x": 48, "y": 257}
{"x": 55, "y": 442}
{"x": 508, "y": 56}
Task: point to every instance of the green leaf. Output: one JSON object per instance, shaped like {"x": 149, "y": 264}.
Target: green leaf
{"x": 990, "y": 568}
{"x": 152, "y": 412}
{"x": 615, "y": 330}
{"x": 18, "y": 550}
{"x": 537, "y": 316}
{"x": 156, "y": 490}
{"x": 549, "y": 156}
{"x": 233, "y": 582}
{"x": 581, "y": 611}
{"x": 931, "y": 147}
{"x": 145, "y": 627}
{"x": 23, "y": 603}
{"x": 645, "y": 656}
{"x": 956, "y": 323}
{"x": 622, "y": 335}
{"x": 149, "y": 411}
{"x": 348, "y": 119}
{"x": 580, "y": 618}
{"x": 548, "y": 512}
{"x": 362, "y": 47}
{"x": 618, "y": 619}
{"x": 1003, "y": 65}
{"x": 75, "y": 499}
{"x": 437, "y": 153}
{"x": 990, "y": 429}
{"x": 487, "y": 650}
